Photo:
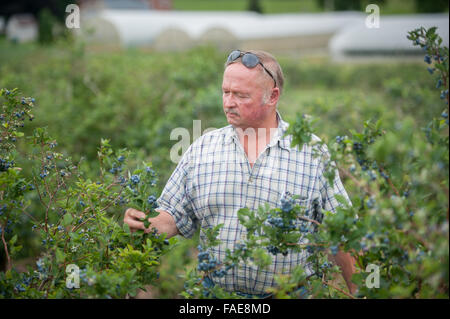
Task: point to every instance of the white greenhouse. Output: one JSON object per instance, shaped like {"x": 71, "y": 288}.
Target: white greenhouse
{"x": 389, "y": 39}
{"x": 180, "y": 29}
{"x": 342, "y": 34}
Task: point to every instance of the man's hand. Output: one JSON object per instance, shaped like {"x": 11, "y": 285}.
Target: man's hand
{"x": 133, "y": 218}
{"x": 164, "y": 222}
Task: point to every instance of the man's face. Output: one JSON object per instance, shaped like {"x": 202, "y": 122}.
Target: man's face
{"x": 243, "y": 90}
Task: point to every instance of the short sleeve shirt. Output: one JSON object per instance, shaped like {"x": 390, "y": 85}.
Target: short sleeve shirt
{"x": 214, "y": 179}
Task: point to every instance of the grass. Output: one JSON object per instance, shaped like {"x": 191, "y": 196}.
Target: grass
{"x": 284, "y": 6}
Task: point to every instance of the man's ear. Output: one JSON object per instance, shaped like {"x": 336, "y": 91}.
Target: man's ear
{"x": 274, "y": 96}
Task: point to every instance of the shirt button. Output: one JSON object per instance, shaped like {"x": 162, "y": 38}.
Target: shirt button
{"x": 250, "y": 180}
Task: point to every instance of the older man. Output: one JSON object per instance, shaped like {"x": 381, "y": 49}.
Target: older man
{"x": 245, "y": 164}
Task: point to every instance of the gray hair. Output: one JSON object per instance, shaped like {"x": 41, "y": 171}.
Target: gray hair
{"x": 271, "y": 64}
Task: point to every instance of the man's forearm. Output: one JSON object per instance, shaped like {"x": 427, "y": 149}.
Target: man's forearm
{"x": 164, "y": 223}
{"x": 347, "y": 264}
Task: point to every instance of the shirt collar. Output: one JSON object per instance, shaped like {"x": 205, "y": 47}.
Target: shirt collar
{"x": 279, "y": 137}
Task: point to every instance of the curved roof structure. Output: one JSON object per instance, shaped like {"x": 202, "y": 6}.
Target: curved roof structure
{"x": 389, "y": 38}
{"x": 343, "y": 33}
{"x": 139, "y": 27}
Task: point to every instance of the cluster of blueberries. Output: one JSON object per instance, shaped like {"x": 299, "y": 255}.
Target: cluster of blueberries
{"x": 428, "y": 58}
{"x": 275, "y": 250}
{"x": 340, "y": 139}
{"x": 7, "y": 228}
{"x": 444, "y": 94}
{"x": 151, "y": 200}
{"x": 207, "y": 263}
{"x": 41, "y": 269}
{"x": 120, "y": 201}
{"x": 5, "y": 165}
{"x": 370, "y": 203}
{"x": 117, "y": 168}
{"x": 135, "y": 179}
{"x": 279, "y": 222}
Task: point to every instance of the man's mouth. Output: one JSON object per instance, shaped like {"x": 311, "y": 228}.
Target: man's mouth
{"x": 231, "y": 113}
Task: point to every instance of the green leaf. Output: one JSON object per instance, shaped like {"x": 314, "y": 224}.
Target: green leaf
{"x": 59, "y": 255}
{"x": 126, "y": 228}
{"x": 67, "y": 219}
{"x": 13, "y": 240}
{"x": 153, "y": 214}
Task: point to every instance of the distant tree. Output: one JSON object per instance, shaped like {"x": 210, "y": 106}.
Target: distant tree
{"x": 254, "y": 5}
{"x": 46, "y": 21}
{"x": 425, "y": 6}
{"x": 46, "y": 12}
{"x": 344, "y": 5}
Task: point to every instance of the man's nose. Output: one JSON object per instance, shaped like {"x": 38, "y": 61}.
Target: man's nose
{"x": 228, "y": 101}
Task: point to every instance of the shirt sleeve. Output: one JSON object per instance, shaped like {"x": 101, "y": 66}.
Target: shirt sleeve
{"x": 175, "y": 197}
{"x": 327, "y": 191}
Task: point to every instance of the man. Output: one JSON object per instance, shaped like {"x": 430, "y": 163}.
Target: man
{"x": 245, "y": 164}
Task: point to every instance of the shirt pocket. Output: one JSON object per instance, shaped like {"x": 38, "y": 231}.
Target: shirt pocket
{"x": 311, "y": 210}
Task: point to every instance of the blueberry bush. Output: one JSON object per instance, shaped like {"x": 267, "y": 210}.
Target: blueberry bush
{"x": 397, "y": 221}
{"x": 78, "y": 230}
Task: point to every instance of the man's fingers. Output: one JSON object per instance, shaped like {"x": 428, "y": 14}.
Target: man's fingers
{"x": 133, "y": 219}
{"x": 135, "y": 225}
{"x": 134, "y": 213}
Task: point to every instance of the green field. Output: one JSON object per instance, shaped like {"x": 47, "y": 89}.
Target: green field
{"x": 285, "y": 6}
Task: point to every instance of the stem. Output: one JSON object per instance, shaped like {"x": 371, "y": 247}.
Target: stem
{"x": 346, "y": 173}
{"x": 390, "y": 183}
{"x": 8, "y": 258}
{"x": 339, "y": 289}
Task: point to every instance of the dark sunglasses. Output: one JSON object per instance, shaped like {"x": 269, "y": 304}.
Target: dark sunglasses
{"x": 249, "y": 60}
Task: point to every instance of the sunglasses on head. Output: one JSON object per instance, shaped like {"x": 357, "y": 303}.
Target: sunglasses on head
{"x": 250, "y": 60}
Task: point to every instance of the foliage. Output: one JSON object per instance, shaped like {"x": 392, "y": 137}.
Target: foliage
{"x": 77, "y": 227}
{"x": 393, "y": 166}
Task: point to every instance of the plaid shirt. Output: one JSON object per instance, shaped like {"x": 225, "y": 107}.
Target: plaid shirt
{"x": 214, "y": 179}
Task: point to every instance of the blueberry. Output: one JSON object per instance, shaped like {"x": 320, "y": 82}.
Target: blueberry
{"x": 135, "y": 179}
{"x": 383, "y": 174}
{"x": 427, "y": 58}
{"x": 121, "y": 158}
{"x": 370, "y": 203}
{"x": 151, "y": 199}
